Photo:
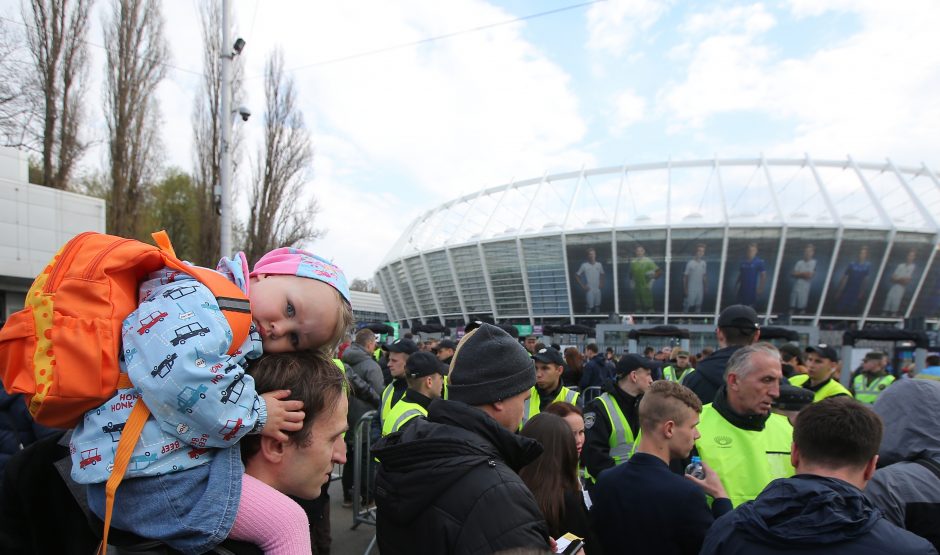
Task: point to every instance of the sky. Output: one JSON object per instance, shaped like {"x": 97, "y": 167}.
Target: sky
{"x": 399, "y": 129}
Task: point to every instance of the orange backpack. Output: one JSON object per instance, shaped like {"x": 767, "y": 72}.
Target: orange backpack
{"x": 61, "y": 351}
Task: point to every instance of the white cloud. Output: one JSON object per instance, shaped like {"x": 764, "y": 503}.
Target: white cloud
{"x": 872, "y": 94}
{"x": 615, "y": 24}
{"x": 629, "y": 108}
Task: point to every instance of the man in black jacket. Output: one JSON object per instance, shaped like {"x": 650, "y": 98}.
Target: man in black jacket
{"x": 738, "y": 326}
{"x": 448, "y": 484}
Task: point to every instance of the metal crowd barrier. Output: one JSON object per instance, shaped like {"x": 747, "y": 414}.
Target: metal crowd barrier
{"x": 362, "y": 469}
{"x": 590, "y": 393}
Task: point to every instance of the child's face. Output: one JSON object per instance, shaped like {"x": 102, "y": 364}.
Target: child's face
{"x": 293, "y": 313}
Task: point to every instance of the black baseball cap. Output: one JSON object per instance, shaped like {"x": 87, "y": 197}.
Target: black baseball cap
{"x": 423, "y": 364}
{"x": 406, "y": 346}
{"x": 549, "y": 355}
{"x": 630, "y": 362}
{"x": 874, "y": 355}
{"x": 739, "y": 316}
{"x": 825, "y": 351}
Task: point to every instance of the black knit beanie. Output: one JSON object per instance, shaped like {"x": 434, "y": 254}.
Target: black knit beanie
{"x": 489, "y": 366}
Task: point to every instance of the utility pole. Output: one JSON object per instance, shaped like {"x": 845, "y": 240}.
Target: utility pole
{"x": 225, "y": 120}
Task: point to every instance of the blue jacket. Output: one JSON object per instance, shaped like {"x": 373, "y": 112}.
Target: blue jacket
{"x": 17, "y": 428}
{"x": 597, "y": 371}
{"x": 643, "y": 507}
{"x": 709, "y": 374}
{"x": 810, "y": 514}
{"x": 174, "y": 349}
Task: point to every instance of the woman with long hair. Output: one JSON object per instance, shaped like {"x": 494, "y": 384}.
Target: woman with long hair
{"x": 553, "y": 479}
{"x": 574, "y": 367}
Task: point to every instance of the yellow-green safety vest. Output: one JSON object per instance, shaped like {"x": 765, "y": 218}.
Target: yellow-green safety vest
{"x": 388, "y": 400}
{"x": 869, "y": 393}
{"x": 401, "y": 412}
{"x": 829, "y": 390}
{"x": 670, "y": 373}
{"x": 746, "y": 460}
{"x": 621, "y": 436}
{"x": 532, "y": 404}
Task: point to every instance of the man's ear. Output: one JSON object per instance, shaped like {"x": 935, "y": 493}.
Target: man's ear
{"x": 271, "y": 449}
{"x": 794, "y": 456}
{"x": 732, "y": 381}
{"x": 870, "y": 468}
{"x": 669, "y": 429}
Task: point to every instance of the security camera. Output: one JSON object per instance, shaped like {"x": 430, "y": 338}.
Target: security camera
{"x": 238, "y": 46}
{"x": 244, "y": 112}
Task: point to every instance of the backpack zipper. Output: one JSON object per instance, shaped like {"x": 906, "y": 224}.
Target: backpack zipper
{"x": 97, "y": 260}
{"x": 53, "y": 280}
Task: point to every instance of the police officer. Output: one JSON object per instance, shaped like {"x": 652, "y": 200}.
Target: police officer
{"x": 445, "y": 350}
{"x": 873, "y": 379}
{"x": 676, "y": 370}
{"x": 424, "y": 374}
{"x": 549, "y": 364}
{"x": 741, "y": 439}
{"x": 821, "y": 362}
{"x": 611, "y": 421}
{"x": 398, "y": 353}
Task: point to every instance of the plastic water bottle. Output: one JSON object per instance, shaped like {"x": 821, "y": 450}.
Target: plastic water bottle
{"x": 695, "y": 468}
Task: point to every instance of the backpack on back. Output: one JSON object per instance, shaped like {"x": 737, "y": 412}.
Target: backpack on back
{"x": 62, "y": 350}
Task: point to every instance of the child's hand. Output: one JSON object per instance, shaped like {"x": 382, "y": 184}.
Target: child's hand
{"x": 283, "y": 416}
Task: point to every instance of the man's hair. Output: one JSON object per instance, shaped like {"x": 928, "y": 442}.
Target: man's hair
{"x": 312, "y": 378}
{"x": 838, "y": 432}
{"x": 364, "y": 336}
{"x": 591, "y": 249}
{"x": 933, "y": 360}
{"x": 666, "y": 400}
{"x": 741, "y": 362}
{"x": 592, "y": 347}
{"x": 738, "y": 336}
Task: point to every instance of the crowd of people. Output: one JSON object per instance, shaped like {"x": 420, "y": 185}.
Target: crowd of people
{"x": 488, "y": 444}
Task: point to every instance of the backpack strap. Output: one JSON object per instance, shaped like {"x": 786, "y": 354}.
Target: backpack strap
{"x": 231, "y": 300}
{"x": 122, "y": 457}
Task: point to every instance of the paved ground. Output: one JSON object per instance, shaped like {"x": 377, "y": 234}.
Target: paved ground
{"x": 345, "y": 540}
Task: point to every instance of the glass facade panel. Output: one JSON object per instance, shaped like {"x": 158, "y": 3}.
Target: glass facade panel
{"x": 545, "y": 269}
{"x": 749, "y": 269}
{"x": 401, "y": 281}
{"x": 443, "y": 282}
{"x": 641, "y": 271}
{"x": 856, "y": 267}
{"x": 696, "y": 263}
{"x": 589, "y": 271}
{"x": 806, "y": 260}
{"x": 472, "y": 285}
{"x": 422, "y": 287}
{"x": 928, "y": 302}
{"x": 392, "y": 288}
{"x": 902, "y": 274}
{"x": 502, "y": 263}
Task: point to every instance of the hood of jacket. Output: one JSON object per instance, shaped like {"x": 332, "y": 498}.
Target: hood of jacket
{"x": 427, "y": 458}
{"x": 712, "y": 367}
{"x": 807, "y": 509}
{"x": 354, "y": 354}
{"x": 909, "y": 434}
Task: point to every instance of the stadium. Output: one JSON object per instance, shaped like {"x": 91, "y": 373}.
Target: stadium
{"x": 830, "y": 244}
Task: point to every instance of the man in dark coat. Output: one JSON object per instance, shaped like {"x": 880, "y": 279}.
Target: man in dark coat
{"x": 738, "y": 325}
{"x": 598, "y": 370}
{"x": 448, "y": 484}
{"x": 822, "y": 509}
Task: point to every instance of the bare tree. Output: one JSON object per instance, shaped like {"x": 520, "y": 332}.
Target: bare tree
{"x": 56, "y": 42}
{"x": 136, "y": 53}
{"x": 279, "y": 216}
{"x": 364, "y": 285}
{"x": 207, "y": 133}
{"x": 12, "y": 107}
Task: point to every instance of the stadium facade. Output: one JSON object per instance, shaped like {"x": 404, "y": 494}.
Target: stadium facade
{"x": 830, "y": 243}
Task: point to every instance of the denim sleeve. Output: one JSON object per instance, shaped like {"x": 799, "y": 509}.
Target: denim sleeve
{"x": 174, "y": 349}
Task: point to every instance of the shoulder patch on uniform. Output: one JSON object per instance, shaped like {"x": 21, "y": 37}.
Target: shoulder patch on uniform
{"x": 589, "y": 419}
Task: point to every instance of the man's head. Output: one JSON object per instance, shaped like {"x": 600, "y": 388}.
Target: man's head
{"x": 871, "y": 364}
{"x": 790, "y": 354}
{"x": 398, "y": 353}
{"x": 682, "y": 359}
{"x": 530, "y": 342}
{"x": 809, "y": 251}
{"x": 633, "y": 374}
{"x": 752, "y": 379}
{"x": 425, "y": 374}
{"x": 738, "y": 325}
{"x": 303, "y": 463}
{"x": 668, "y": 415}
{"x": 700, "y": 250}
{"x": 837, "y": 436}
{"x": 863, "y": 253}
{"x": 365, "y": 338}
{"x": 591, "y": 350}
{"x": 639, "y": 251}
{"x": 649, "y": 352}
{"x": 493, "y": 372}
{"x": 751, "y": 250}
{"x": 821, "y": 362}
{"x": 549, "y": 364}
{"x": 591, "y": 255}
{"x": 445, "y": 349}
